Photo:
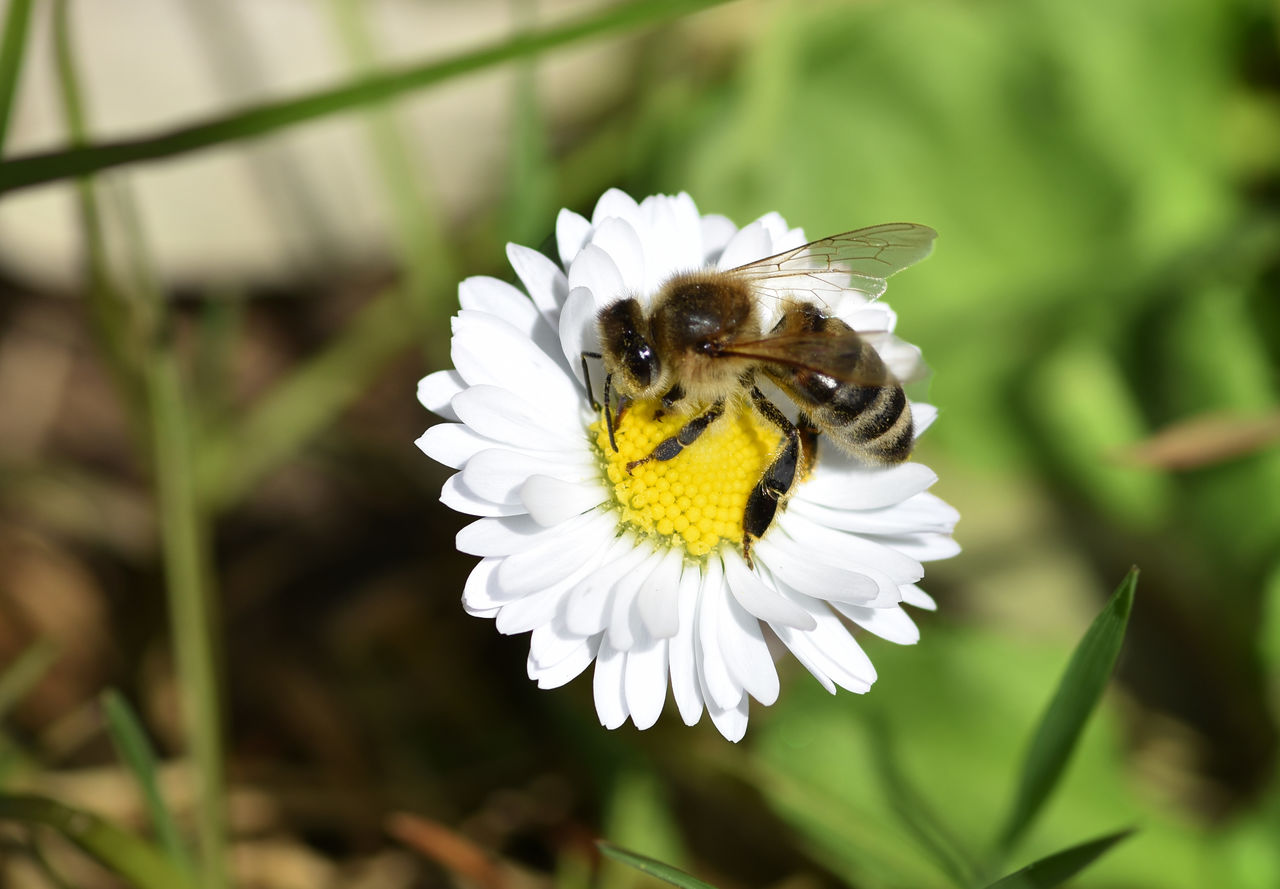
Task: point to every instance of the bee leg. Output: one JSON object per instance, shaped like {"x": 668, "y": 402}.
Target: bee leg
{"x": 674, "y": 394}
{"x": 608, "y": 411}
{"x": 775, "y": 484}
{"x": 688, "y": 434}
{"x": 586, "y": 379}
{"x": 808, "y": 441}
{"x": 608, "y": 402}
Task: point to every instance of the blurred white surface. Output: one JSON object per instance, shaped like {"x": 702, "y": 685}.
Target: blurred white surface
{"x": 263, "y": 212}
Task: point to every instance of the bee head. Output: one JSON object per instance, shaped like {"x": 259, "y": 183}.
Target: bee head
{"x": 627, "y": 346}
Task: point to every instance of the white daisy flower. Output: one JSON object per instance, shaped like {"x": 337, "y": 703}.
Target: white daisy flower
{"x": 643, "y": 572}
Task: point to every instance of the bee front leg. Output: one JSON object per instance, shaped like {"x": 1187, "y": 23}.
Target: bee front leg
{"x": 673, "y": 396}
{"x": 688, "y": 434}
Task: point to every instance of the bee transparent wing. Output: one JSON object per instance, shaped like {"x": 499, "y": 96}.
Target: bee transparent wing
{"x": 859, "y": 260}
{"x": 839, "y": 355}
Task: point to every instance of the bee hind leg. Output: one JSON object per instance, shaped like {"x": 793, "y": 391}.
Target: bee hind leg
{"x": 668, "y": 448}
{"x": 779, "y": 476}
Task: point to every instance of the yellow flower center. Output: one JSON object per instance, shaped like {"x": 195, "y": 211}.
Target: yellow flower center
{"x": 696, "y": 499}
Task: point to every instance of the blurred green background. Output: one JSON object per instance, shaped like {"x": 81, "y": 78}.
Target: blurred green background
{"x": 207, "y": 413}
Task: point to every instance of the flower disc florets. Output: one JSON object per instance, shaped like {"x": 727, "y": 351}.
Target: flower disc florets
{"x": 695, "y": 501}
{"x": 641, "y": 572}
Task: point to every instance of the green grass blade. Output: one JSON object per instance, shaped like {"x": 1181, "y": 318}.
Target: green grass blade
{"x": 1077, "y": 694}
{"x": 132, "y": 746}
{"x": 189, "y": 583}
{"x": 916, "y": 815}
{"x": 234, "y": 458}
{"x": 132, "y": 858}
{"x": 12, "y": 47}
{"x": 646, "y": 865}
{"x": 22, "y": 675}
{"x": 1056, "y": 869}
{"x": 34, "y": 169}
{"x": 421, "y": 246}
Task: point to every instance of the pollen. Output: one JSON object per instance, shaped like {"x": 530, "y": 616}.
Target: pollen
{"x": 696, "y": 499}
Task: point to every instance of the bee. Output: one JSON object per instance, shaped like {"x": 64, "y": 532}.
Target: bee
{"x": 701, "y": 345}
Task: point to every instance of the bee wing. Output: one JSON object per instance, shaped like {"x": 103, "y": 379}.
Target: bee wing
{"x": 838, "y": 355}
{"x": 859, "y": 260}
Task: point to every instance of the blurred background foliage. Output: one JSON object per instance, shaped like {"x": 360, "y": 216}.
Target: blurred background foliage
{"x": 228, "y": 388}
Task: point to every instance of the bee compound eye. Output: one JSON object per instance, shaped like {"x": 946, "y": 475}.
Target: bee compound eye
{"x": 642, "y": 365}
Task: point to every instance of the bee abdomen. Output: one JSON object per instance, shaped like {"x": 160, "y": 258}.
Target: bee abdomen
{"x": 872, "y": 422}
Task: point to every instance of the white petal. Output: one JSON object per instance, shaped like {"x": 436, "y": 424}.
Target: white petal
{"x": 686, "y": 687}
{"x": 893, "y": 623}
{"x": 625, "y": 628}
{"x": 547, "y": 285}
{"x": 551, "y": 500}
{"x": 658, "y": 604}
{"x": 913, "y": 595}
{"x": 486, "y": 349}
{"x": 831, "y": 654}
{"x": 500, "y": 474}
{"x": 645, "y": 682}
{"x": 675, "y": 244}
{"x": 571, "y": 667}
{"x": 925, "y": 547}
{"x": 595, "y": 270}
{"x": 482, "y": 293}
{"x": 731, "y": 722}
{"x": 505, "y": 417}
{"x": 922, "y": 417}
{"x": 436, "y": 391}
{"x": 457, "y": 496}
{"x": 452, "y": 444}
{"x": 776, "y": 227}
{"x": 804, "y": 569}
{"x": 746, "y": 654}
{"x": 845, "y": 486}
{"x": 532, "y": 611}
{"x": 760, "y": 599}
{"x": 922, "y": 512}
{"x": 482, "y": 592}
{"x": 573, "y": 553}
{"x": 748, "y": 245}
{"x": 851, "y": 551}
{"x": 572, "y": 231}
{"x": 718, "y": 683}
{"x": 611, "y": 704}
{"x": 578, "y": 331}
{"x": 717, "y": 231}
{"x": 550, "y": 643}
{"x": 501, "y": 536}
{"x": 618, "y": 239}
{"x": 859, "y": 314}
{"x": 589, "y": 604}
{"x": 614, "y": 202}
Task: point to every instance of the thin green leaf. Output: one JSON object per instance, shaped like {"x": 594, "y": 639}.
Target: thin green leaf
{"x": 1056, "y": 869}
{"x": 191, "y": 593}
{"x": 12, "y": 47}
{"x": 1077, "y": 694}
{"x": 22, "y": 675}
{"x": 132, "y": 858}
{"x": 235, "y": 458}
{"x": 132, "y": 746}
{"x": 916, "y": 815}
{"x": 34, "y": 169}
{"x": 646, "y": 865}
{"x": 111, "y": 315}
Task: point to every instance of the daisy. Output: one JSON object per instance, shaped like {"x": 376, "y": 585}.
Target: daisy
{"x": 642, "y": 573}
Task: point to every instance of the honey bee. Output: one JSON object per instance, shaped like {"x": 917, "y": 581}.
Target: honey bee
{"x": 701, "y": 346}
